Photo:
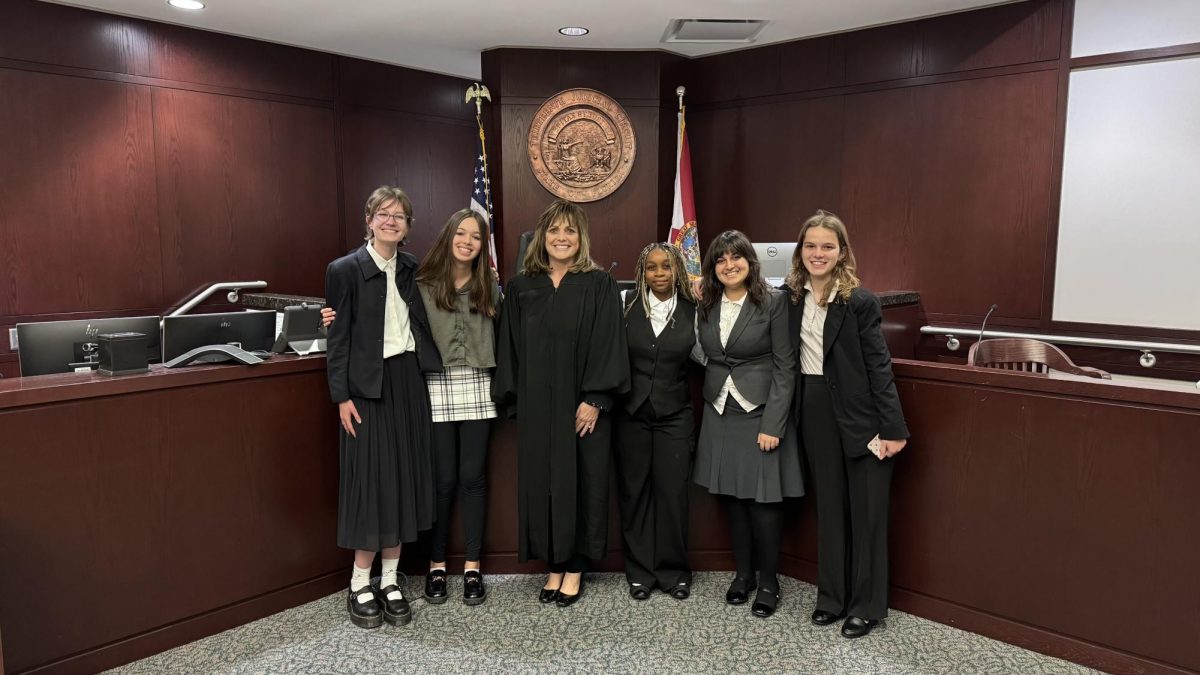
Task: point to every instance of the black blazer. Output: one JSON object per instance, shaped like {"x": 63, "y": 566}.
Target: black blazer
{"x": 356, "y": 289}
{"x": 858, "y": 370}
{"x": 659, "y": 365}
{"x": 757, "y": 354}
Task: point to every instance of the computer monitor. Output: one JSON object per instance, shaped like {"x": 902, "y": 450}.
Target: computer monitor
{"x": 64, "y": 346}
{"x": 776, "y": 260}
{"x": 252, "y": 330}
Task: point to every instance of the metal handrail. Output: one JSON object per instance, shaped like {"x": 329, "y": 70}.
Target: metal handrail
{"x": 1067, "y": 340}
{"x": 232, "y": 286}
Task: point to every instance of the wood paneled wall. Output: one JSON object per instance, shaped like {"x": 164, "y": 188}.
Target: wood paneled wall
{"x": 520, "y": 81}
{"x": 933, "y": 139}
{"x": 140, "y": 162}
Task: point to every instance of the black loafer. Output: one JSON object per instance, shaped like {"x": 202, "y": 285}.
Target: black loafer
{"x": 364, "y": 614}
{"x": 474, "y": 592}
{"x": 396, "y": 612}
{"x": 680, "y": 591}
{"x": 822, "y": 618}
{"x": 855, "y": 627}
{"x": 765, "y": 603}
{"x": 739, "y": 591}
{"x": 639, "y": 592}
{"x": 435, "y": 587}
{"x": 564, "y": 600}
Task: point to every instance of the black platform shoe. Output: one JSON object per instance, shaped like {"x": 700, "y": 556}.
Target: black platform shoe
{"x": 765, "y": 603}
{"x": 364, "y": 614}
{"x": 435, "y": 587}
{"x": 855, "y": 627}
{"x": 474, "y": 592}
{"x": 680, "y": 591}
{"x": 639, "y": 591}
{"x": 739, "y": 590}
{"x": 396, "y": 612}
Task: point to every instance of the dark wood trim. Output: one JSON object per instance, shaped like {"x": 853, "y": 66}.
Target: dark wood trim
{"x": 884, "y": 85}
{"x": 531, "y": 100}
{"x": 194, "y": 628}
{"x": 421, "y": 117}
{"x": 44, "y": 389}
{"x": 1136, "y": 56}
{"x": 1056, "y": 163}
{"x": 70, "y": 71}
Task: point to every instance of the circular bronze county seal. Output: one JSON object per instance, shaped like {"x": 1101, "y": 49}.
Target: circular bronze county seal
{"x": 581, "y": 145}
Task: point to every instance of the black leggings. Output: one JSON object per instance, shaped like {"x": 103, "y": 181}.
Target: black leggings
{"x": 756, "y": 532}
{"x": 460, "y": 459}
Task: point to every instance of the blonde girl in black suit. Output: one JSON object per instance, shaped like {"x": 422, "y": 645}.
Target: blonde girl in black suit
{"x": 848, "y": 410}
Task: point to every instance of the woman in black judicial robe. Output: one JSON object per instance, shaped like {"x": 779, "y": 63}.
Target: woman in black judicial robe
{"x": 560, "y": 361}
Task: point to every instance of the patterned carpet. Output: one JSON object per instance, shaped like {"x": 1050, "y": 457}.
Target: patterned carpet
{"x": 605, "y": 632}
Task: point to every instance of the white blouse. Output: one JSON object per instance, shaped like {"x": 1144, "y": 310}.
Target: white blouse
{"x": 397, "y": 333}
{"x": 812, "y": 332}
{"x": 730, "y": 310}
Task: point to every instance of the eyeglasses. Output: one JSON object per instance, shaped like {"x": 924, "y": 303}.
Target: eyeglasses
{"x": 398, "y": 217}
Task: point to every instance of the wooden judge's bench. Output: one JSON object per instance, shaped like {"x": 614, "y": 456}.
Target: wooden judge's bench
{"x": 146, "y": 511}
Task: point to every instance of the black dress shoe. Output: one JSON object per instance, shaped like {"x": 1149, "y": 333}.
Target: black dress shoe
{"x": 639, "y": 592}
{"x": 364, "y": 614}
{"x": 435, "y": 587}
{"x": 739, "y": 591}
{"x": 765, "y": 603}
{"x": 680, "y": 591}
{"x": 474, "y": 592}
{"x": 822, "y": 618}
{"x": 855, "y": 627}
{"x": 396, "y": 612}
{"x": 565, "y": 600}
{"x": 547, "y": 595}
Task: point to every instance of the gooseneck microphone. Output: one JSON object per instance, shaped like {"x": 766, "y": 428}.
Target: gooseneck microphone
{"x": 985, "y": 318}
{"x": 612, "y": 267}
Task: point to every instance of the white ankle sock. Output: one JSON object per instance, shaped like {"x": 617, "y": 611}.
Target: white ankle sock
{"x": 387, "y": 577}
{"x": 360, "y": 578}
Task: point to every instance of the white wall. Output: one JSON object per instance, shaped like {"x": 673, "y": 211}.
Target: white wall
{"x": 1105, "y": 26}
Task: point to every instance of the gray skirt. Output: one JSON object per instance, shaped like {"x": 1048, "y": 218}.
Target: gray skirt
{"x": 729, "y": 462}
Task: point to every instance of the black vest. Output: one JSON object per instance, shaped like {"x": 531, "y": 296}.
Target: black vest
{"x": 658, "y": 366}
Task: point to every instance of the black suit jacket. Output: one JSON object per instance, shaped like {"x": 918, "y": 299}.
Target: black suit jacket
{"x": 858, "y": 370}
{"x": 356, "y": 289}
{"x": 757, "y": 355}
{"x": 659, "y": 364}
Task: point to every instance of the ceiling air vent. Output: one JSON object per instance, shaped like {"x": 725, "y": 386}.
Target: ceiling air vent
{"x": 713, "y": 30}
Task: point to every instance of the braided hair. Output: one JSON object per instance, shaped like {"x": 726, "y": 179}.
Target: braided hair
{"x": 678, "y": 273}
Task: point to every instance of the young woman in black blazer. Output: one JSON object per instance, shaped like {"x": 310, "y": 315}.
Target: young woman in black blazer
{"x": 377, "y": 350}
{"x": 654, "y": 426}
{"x": 850, "y": 420}
{"x": 747, "y": 451}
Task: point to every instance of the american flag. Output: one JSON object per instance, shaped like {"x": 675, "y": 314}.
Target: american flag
{"x": 481, "y": 195}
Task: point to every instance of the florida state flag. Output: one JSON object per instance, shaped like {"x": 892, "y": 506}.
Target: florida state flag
{"x": 684, "y": 234}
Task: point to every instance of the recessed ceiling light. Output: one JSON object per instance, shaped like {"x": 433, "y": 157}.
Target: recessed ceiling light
{"x": 573, "y": 31}
{"x": 186, "y": 4}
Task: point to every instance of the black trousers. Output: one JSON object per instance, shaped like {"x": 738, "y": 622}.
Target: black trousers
{"x": 460, "y": 460}
{"x": 654, "y": 456}
{"x": 852, "y": 513}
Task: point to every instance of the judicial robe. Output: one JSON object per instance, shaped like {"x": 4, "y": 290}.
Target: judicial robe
{"x": 556, "y": 348}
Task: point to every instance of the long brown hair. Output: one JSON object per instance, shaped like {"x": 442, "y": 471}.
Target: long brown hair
{"x": 437, "y": 270}
{"x": 844, "y": 271}
{"x": 730, "y": 241}
{"x": 678, "y": 272}
{"x": 537, "y": 261}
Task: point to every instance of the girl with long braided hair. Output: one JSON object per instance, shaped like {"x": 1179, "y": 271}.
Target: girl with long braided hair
{"x": 654, "y": 426}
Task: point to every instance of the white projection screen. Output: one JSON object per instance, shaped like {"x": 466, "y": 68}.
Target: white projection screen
{"x": 1129, "y": 223}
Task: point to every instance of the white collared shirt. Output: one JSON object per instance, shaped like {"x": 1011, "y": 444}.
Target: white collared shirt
{"x": 730, "y": 310}
{"x": 397, "y": 333}
{"x": 812, "y": 331}
{"x": 660, "y": 311}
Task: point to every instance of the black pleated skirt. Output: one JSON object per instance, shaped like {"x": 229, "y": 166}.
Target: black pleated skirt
{"x": 386, "y": 495}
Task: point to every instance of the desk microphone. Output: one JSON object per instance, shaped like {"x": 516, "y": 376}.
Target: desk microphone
{"x": 985, "y": 318}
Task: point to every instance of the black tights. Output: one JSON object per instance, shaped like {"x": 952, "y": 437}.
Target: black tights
{"x": 756, "y": 531}
{"x": 460, "y": 458}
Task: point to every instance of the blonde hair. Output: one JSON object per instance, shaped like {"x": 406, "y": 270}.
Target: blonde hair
{"x": 678, "y": 272}
{"x": 537, "y": 260}
{"x": 843, "y": 271}
{"x": 382, "y": 195}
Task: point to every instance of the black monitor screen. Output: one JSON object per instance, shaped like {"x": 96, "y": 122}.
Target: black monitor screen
{"x": 62, "y": 346}
{"x": 252, "y": 331}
